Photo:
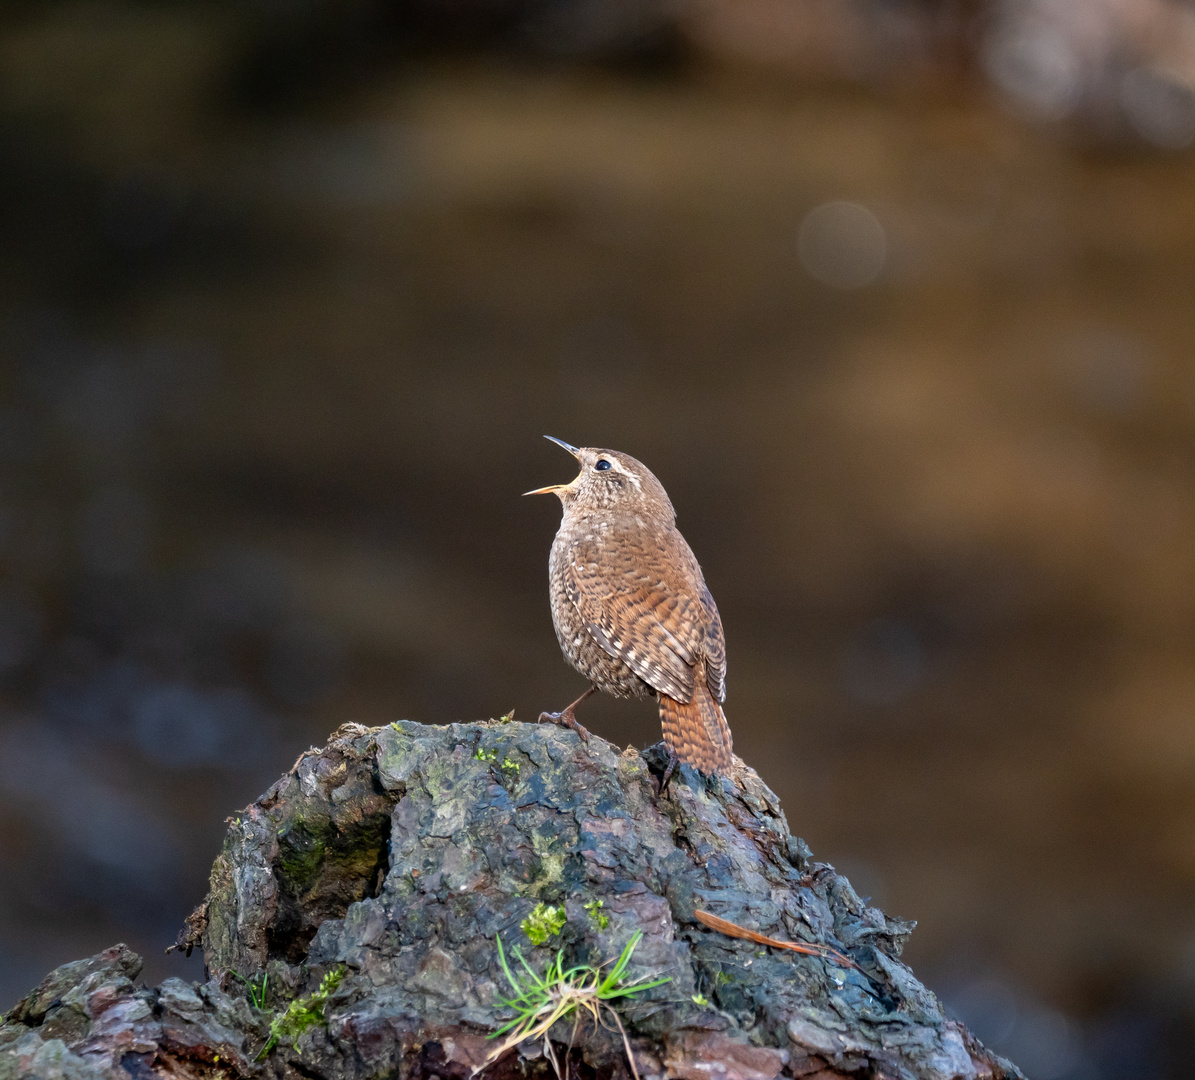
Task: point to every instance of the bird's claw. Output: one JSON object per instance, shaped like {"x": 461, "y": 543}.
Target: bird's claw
{"x": 565, "y": 718}
{"x": 668, "y": 771}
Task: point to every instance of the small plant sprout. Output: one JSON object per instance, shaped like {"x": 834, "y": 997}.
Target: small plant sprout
{"x": 302, "y": 1013}
{"x": 594, "y": 909}
{"x": 255, "y": 991}
{"x": 506, "y": 717}
{"x": 541, "y": 1000}
{"x": 543, "y": 922}
{"x": 490, "y": 757}
{"x": 701, "y": 1000}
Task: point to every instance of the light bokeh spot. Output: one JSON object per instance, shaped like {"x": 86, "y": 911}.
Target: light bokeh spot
{"x": 1160, "y": 109}
{"x": 1037, "y": 68}
{"x": 842, "y": 244}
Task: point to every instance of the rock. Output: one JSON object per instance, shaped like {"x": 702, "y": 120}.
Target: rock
{"x": 394, "y": 858}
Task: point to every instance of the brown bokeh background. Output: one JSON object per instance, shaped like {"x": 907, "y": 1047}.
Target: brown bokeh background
{"x": 289, "y": 292}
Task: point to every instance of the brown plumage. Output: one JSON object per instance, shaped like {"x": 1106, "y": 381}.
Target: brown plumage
{"x": 630, "y": 605}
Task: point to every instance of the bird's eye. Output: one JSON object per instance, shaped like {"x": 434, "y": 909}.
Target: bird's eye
{"x": 602, "y": 465}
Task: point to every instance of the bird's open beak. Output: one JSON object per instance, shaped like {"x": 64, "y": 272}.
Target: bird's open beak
{"x": 560, "y": 442}
{"x": 556, "y": 487}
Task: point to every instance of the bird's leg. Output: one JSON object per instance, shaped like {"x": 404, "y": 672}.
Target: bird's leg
{"x": 672, "y": 763}
{"x": 567, "y": 716}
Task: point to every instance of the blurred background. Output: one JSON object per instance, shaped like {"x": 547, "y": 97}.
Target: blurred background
{"x": 896, "y": 297}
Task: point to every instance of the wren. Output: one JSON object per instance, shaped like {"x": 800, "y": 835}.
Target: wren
{"x": 631, "y": 609}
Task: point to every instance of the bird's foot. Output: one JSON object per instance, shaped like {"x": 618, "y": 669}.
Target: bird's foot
{"x": 566, "y": 718}
{"x": 673, "y": 760}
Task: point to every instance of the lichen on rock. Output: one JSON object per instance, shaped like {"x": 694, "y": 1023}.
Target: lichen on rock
{"x": 398, "y": 855}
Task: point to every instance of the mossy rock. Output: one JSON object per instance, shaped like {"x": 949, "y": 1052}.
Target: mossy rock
{"x": 398, "y": 855}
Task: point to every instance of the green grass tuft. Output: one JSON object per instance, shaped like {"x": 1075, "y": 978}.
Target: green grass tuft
{"x": 541, "y": 1000}
{"x": 255, "y": 990}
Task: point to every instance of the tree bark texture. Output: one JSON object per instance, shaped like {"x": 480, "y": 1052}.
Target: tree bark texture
{"x": 394, "y": 857}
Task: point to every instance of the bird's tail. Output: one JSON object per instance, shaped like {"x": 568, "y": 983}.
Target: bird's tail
{"x": 696, "y": 730}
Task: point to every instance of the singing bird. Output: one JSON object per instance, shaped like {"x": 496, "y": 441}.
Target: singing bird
{"x": 631, "y": 609}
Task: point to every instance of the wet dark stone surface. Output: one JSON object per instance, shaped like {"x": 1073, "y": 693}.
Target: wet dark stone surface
{"x": 398, "y": 855}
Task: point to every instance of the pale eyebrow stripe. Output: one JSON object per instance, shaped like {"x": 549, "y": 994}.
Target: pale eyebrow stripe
{"x": 626, "y": 472}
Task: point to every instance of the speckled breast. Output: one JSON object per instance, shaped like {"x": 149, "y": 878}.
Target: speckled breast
{"x": 608, "y": 673}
